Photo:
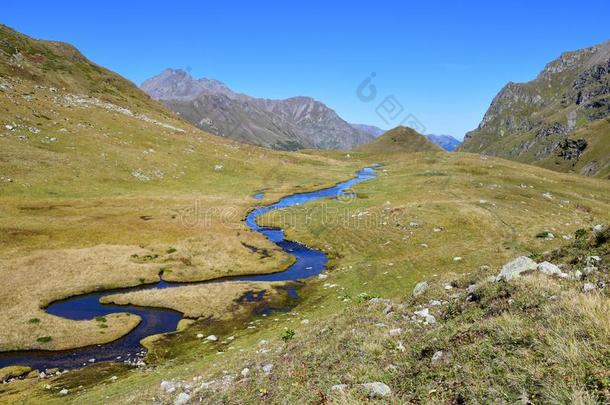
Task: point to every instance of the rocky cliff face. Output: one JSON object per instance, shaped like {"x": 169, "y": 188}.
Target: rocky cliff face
{"x": 541, "y": 121}
{"x": 294, "y": 123}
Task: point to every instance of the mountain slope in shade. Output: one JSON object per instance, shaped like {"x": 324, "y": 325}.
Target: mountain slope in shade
{"x": 369, "y": 130}
{"x": 559, "y": 120}
{"x": 293, "y": 123}
{"x": 446, "y": 142}
{"x": 400, "y": 139}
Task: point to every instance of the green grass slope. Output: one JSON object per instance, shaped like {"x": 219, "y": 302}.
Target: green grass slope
{"x": 399, "y": 140}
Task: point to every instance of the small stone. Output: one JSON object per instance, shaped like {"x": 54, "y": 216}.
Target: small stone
{"x": 448, "y": 287}
{"x": 182, "y": 399}
{"x": 267, "y": 368}
{"x": 322, "y": 276}
{"x": 598, "y": 228}
{"x": 457, "y": 259}
{"x": 91, "y": 360}
{"x": 588, "y": 287}
{"x": 168, "y": 386}
{"x": 420, "y": 288}
{"x": 212, "y": 338}
{"x": 245, "y": 372}
{"x": 549, "y": 269}
{"x": 200, "y": 336}
{"x": 339, "y": 387}
{"x": 377, "y": 389}
{"x": 471, "y": 289}
{"x": 305, "y": 321}
{"x": 395, "y": 332}
{"x": 589, "y": 269}
{"x": 63, "y": 392}
{"x": 114, "y": 378}
{"x": 437, "y": 356}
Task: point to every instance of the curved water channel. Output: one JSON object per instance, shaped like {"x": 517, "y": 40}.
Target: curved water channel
{"x": 309, "y": 262}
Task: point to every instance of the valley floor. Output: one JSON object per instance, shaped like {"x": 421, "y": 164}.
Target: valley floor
{"x": 449, "y": 219}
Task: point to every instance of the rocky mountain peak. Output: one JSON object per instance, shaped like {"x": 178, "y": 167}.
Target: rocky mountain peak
{"x": 293, "y": 123}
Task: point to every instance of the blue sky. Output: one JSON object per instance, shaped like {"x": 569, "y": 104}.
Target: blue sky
{"x": 442, "y": 62}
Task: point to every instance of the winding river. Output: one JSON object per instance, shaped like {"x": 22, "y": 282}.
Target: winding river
{"x": 309, "y": 262}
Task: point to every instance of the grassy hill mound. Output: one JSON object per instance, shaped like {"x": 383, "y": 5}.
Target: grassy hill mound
{"x": 400, "y": 140}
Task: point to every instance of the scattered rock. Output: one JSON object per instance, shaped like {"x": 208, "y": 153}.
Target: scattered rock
{"x": 395, "y": 332}
{"x": 200, "y": 336}
{"x": 547, "y": 195}
{"x": 592, "y": 260}
{"x": 212, "y": 338}
{"x": 267, "y": 368}
{"x": 551, "y": 270}
{"x": 245, "y": 372}
{"x": 377, "y": 389}
{"x": 457, "y": 259}
{"x": 598, "y": 228}
{"x": 182, "y": 399}
{"x": 339, "y": 387}
{"x": 516, "y": 267}
{"x": 305, "y": 321}
{"x": 425, "y": 313}
{"x": 437, "y": 357}
{"x": 588, "y": 287}
{"x": 168, "y": 386}
{"x": 322, "y": 276}
{"x": 63, "y": 392}
{"x": 589, "y": 269}
{"x": 218, "y": 168}
{"x": 420, "y": 288}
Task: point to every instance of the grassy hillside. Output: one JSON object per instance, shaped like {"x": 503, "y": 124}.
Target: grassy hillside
{"x": 400, "y": 140}
{"x": 559, "y": 120}
{"x": 94, "y": 175}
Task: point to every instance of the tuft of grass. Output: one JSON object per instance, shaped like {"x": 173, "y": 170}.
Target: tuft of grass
{"x": 287, "y": 335}
{"x": 44, "y": 339}
{"x": 34, "y": 320}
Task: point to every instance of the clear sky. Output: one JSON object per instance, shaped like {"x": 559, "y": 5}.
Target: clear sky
{"x": 442, "y": 61}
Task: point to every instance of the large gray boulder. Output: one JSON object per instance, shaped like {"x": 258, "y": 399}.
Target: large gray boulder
{"x": 514, "y": 268}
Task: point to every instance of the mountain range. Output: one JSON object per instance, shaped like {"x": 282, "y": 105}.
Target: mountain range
{"x": 293, "y": 123}
{"x": 559, "y": 120}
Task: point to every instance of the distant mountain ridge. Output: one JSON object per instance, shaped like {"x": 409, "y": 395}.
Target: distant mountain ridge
{"x": 446, "y": 142}
{"x": 559, "y": 120}
{"x": 369, "y": 129}
{"x": 293, "y": 123}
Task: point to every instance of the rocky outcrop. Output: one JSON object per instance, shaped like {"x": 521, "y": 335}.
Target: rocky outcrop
{"x": 544, "y": 121}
